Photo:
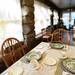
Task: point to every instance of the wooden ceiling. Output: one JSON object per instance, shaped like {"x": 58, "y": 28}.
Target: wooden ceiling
{"x": 50, "y": 3}
{"x": 64, "y": 3}
{"x": 60, "y": 5}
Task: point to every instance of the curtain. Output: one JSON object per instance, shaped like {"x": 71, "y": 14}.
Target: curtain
{"x": 66, "y": 19}
{"x": 42, "y": 16}
{"x": 10, "y": 20}
{"x": 55, "y": 17}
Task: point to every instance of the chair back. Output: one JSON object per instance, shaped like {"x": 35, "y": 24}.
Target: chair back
{"x": 11, "y": 50}
{"x": 61, "y": 35}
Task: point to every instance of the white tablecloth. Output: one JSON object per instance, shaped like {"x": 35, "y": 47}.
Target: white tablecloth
{"x": 25, "y": 68}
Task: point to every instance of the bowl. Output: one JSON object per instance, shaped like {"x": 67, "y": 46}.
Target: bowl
{"x": 33, "y": 55}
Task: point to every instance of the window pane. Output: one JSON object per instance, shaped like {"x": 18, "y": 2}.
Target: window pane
{"x": 72, "y": 17}
{"x": 66, "y": 19}
{"x": 42, "y": 16}
{"x": 10, "y": 20}
{"x": 55, "y": 17}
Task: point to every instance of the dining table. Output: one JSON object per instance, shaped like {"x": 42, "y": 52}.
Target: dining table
{"x": 50, "y": 62}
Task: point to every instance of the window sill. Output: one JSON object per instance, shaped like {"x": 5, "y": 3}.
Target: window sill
{"x": 38, "y": 35}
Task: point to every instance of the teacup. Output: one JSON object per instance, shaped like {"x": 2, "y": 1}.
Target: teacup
{"x": 35, "y": 64}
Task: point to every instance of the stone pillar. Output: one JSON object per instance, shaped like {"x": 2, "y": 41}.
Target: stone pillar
{"x": 28, "y": 21}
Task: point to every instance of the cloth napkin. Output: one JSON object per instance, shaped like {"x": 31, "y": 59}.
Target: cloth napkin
{"x": 58, "y": 69}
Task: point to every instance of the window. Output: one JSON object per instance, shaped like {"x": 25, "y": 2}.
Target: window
{"x": 55, "y": 17}
{"x": 42, "y": 16}
{"x": 10, "y": 20}
{"x": 66, "y": 19}
{"x": 72, "y": 18}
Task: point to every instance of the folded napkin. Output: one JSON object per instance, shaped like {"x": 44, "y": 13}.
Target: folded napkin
{"x": 15, "y": 71}
{"x": 58, "y": 69}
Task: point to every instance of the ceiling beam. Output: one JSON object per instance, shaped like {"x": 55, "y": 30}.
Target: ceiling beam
{"x": 50, "y": 4}
{"x": 67, "y": 9}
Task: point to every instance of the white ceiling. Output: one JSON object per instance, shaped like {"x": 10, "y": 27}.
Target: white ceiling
{"x": 64, "y": 3}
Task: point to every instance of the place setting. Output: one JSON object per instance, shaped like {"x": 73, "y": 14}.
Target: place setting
{"x": 68, "y": 65}
{"x": 58, "y": 46}
{"x": 33, "y": 58}
{"x": 36, "y": 59}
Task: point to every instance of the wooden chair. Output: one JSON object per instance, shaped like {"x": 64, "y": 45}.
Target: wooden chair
{"x": 11, "y": 50}
{"x": 46, "y": 37}
{"x": 61, "y": 35}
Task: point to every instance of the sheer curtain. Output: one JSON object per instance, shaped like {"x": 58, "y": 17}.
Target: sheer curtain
{"x": 66, "y": 19}
{"x": 42, "y": 16}
{"x": 10, "y": 20}
{"x": 55, "y": 17}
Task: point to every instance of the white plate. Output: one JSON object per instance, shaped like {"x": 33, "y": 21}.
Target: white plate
{"x": 15, "y": 71}
{"x": 69, "y": 64}
{"x": 50, "y": 61}
{"x": 33, "y": 55}
{"x": 57, "y": 45}
{"x": 39, "y": 47}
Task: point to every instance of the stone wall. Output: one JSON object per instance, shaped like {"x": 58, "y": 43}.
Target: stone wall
{"x": 28, "y": 21}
